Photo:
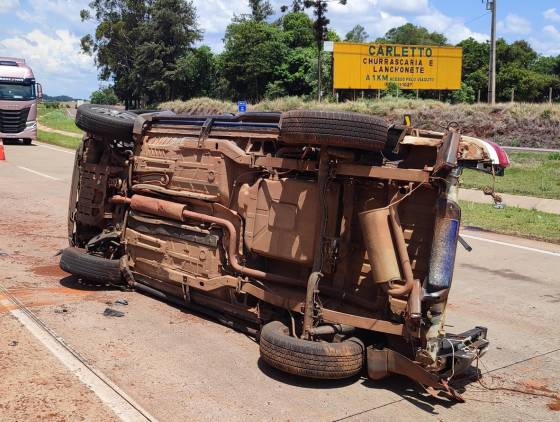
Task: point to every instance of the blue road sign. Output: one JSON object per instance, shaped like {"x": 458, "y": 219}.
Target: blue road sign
{"x": 241, "y": 106}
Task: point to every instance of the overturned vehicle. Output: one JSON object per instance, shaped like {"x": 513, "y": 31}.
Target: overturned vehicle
{"x": 329, "y": 236}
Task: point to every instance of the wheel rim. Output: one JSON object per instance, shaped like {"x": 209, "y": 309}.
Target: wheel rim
{"x": 111, "y": 112}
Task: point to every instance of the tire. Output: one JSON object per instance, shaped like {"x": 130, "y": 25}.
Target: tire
{"x": 308, "y": 358}
{"x": 105, "y": 122}
{"x": 27, "y": 142}
{"x": 333, "y": 128}
{"x": 74, "y": 186}
{"x": 89, "y": 267}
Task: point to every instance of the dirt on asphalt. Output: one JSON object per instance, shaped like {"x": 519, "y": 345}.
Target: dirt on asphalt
{"x": 34, "y": 386}
{"x": 181, "y": 366}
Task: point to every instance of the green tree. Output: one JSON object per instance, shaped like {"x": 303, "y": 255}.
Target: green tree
{"x": 297, "y": 6}
{"x": 464, "y": 95}
{"x": 196, "y": 74}
{"x": 296, "y": 75}
{"x": 137, "y": 44}
{"x": 519, "y": 52}
{"x": 261, "y": 10}
{"x": 357, "y": 34}
{"x": 320, "y": 29}
{"x": 412, "y": 34}
{"x": 298, "y": 30}
{"x": 547, "y": 65}
{"x": 253, "y": 52}
{"x": 104, "y": 96}
{"x": 529, "y": 85}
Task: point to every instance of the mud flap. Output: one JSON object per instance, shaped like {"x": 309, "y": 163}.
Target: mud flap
{"x": 381, "y": 363}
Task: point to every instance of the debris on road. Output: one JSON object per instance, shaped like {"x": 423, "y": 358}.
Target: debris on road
{"x": 122, "y": 302}
{"x": 112, "y": 313}
{"x": 13, "y": 343}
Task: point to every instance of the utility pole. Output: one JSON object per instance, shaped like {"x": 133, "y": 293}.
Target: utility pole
{"x": 491, "y": 5}
{"x": 319, "y": 71}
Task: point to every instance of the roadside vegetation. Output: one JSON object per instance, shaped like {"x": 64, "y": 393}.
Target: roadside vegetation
{"x": 58, "y": 139}
{"x": 512, "y": 220}
{"x": 530, "y": 174}
{"x": 56, "y": 118}
{"x": 518, "y": 124}
{"x": 268, "y": 53}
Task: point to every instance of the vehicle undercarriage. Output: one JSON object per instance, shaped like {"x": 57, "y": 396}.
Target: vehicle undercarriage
{"x": 329, "y": 236}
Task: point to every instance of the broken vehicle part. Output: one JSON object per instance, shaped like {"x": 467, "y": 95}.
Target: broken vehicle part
{"x": 267, "y": 220}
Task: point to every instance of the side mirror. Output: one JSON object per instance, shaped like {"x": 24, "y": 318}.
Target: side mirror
{"x": 39, "y": 91}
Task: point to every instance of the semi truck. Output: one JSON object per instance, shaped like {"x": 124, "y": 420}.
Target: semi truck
{"x": 18, "y": 100}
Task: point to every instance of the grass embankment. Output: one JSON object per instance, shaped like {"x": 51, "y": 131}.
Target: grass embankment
{"x": 517, "y": 124}
{"x": 57, "y": 119}
{"x": 530, "y": 174}
{"x": 512, "y": 220}
{"x": 57, "y": 139}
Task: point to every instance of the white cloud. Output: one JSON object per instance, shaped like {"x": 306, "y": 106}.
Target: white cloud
{"x": 55, "y": 59}
{"x": 452, "y": 27}
{"x": 8, "y": 5}
{"x": 552, "y": 15}
{"x": 378, "y": 24}
{"x": 215, "y": 15}
{"x": 367, "y": 13}
{"x": 404, "y": 6}
{"x": 44, "y": 11}
{"x": 513, "y": 24}
{"x": 59, "y": 54}
{"x": 551, "y": 31}
{"x": 549, "y": 43}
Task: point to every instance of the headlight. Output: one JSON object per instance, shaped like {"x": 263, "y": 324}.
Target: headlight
{"x": 31, "y": 124}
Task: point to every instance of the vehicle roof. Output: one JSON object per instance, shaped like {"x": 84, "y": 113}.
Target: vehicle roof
{"x": 12, "y": 67}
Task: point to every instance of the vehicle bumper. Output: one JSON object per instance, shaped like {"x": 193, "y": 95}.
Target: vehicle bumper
{"x": 30, "y": 133}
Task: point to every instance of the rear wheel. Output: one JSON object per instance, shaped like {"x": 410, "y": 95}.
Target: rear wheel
{"x": 309, "y": 358}
{"x": 74, "y": 186}
{"x": 106, "y": 122}
{"x": 78, "y": 262}
{"x": 27, "y": 142}
{"x": 340, "y": 129}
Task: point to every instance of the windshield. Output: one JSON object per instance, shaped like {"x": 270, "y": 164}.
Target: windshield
{"x": 17, "y": 91}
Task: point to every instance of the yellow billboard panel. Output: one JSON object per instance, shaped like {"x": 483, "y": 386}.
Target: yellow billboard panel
{"x": 373, "y": 66}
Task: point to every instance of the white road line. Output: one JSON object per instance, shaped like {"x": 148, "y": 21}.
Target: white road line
{"x": 56, "y": 149}
{"x": 107, "y": 391}
{"x": 38, "y": 173}
{"x": 497, "y": 242}
{"x": 123, "y": 407}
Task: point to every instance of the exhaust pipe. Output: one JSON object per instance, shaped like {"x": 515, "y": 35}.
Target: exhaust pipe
{"x": 383, "y": 233}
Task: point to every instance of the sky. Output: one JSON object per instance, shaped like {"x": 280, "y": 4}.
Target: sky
{"x": 47, "y": 32}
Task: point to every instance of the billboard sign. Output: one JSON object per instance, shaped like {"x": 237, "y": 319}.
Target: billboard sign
{"x": 373, "y": 66}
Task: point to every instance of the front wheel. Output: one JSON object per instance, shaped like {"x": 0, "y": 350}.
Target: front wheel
{"x": 78, "y": 262}
{"x": 106, "y": 122}
{"x": 310, "y": 358}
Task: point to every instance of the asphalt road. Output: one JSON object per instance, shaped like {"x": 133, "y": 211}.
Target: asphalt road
{"x": 180, "y": 366}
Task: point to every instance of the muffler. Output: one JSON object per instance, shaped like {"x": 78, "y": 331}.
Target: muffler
{"x": 386, "y": 248}
{"x": 376, "y": 232}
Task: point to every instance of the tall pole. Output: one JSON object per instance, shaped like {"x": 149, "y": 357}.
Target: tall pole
{"x": 319, "y": 63}
{"x": 491, "y": 5}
